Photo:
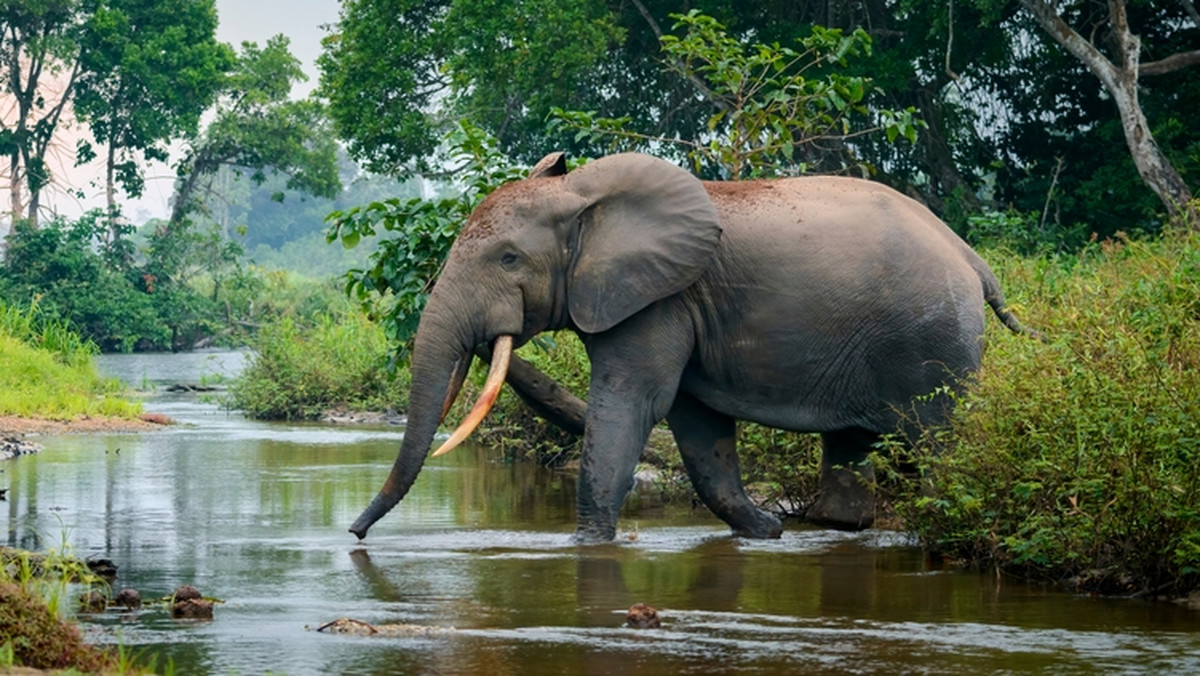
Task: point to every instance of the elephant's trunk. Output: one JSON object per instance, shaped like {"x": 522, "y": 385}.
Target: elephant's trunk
{"x": 439, "y": 367}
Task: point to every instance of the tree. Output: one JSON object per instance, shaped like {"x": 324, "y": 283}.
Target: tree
{"x": 38, "y": 52}
{"x": 1119, "y": 76}
{"x": 257, "y": 129}
{"x": 397, "y": 73}
{"x": 149, "y": 68}
{"x": 777, "y": 110}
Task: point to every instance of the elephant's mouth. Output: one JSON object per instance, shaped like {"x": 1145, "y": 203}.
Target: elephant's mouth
{"x": 501, "y": 353}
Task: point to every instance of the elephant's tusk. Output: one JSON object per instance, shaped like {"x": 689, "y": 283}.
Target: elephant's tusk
{"x": 456, "y": 382}
{"x": 491, "y": 389}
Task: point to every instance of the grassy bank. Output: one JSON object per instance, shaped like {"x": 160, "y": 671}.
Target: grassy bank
{"x": 46, "y": 371}
{"x": 1076, "y": 460}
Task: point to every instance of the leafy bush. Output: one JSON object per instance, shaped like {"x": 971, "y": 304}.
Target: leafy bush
{"x": 58, "y": 266}
{"x": 1076, "y": 459}
{"x": 298, "y": 372}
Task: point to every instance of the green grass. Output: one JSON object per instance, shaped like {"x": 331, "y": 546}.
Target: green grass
{"x": 46, "y": 371}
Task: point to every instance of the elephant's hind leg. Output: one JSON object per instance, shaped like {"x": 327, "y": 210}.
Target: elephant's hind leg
{"x": 707, "y": 443}
{"x": 847, "y": 499}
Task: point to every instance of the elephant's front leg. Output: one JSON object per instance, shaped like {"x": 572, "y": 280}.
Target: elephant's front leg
{"x": 707, "y": 443}
{"x": 631, "y": 389}
{"x": 618, "y": 425}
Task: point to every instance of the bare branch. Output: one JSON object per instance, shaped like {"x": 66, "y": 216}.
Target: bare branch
{"x": 950, "y": 38}
{"x": 1170, "y": 64}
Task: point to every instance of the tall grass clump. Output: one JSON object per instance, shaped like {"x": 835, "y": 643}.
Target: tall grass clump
{"x": 33, "y": 632}
{"x": 46, "y": 370}
{"x": 299, "y": 371}
{"x": 1078, "y": 459}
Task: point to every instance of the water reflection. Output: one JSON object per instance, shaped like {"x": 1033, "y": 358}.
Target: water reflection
{"x": 256, "y": 514}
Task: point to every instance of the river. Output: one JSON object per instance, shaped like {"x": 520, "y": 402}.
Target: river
{"x": 256, "y": 513}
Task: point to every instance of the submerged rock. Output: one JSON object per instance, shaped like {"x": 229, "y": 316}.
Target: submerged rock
{"x": 186, "y": 592}
{"x": 12, "y": 446}
{"x": 190, "y": 604}
{"x": 642, "y": 616}
{"x": 129, "y": 599}
{"x": 192, "y": 609}
{"x": 105, "y": 568}
{"x": 346, "y": 625}
{"x": 93, "y": 602}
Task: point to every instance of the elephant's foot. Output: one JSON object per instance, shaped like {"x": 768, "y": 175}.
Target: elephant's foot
{"x": 764, "y": 526}
{"x": 592, "y": 535}
{"x": 847, "y": 501}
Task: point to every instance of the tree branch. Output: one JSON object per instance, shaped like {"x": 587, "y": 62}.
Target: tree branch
{"x": 1170, "y": 64}
{"x": 1190, "y": 8}
{"x": 699, "y": 84}
{"x": 1048, "y": 18}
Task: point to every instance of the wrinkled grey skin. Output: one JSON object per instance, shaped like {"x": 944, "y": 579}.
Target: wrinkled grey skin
{"x": 820, "y": 304}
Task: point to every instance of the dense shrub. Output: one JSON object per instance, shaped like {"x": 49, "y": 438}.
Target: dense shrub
{"x": 58, "y": 266}
{"x": 1077, "y": 459}
{"x": 298, "y": 372}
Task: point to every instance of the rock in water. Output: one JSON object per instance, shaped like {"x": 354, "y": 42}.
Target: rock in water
{"x": 642, "y": 616}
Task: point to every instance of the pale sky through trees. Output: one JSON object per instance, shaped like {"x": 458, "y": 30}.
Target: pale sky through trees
{"x": 240, "y": 20}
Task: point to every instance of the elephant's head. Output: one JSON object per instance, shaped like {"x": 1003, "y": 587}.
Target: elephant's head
{"x": 584, "y": 249}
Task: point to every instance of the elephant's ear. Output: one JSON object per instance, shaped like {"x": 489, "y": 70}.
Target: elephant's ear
{"x": 554, "y": 164}
{"x": 649, "y": 232}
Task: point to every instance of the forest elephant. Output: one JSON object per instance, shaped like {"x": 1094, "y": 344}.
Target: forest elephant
{"x": 817, "y": 304}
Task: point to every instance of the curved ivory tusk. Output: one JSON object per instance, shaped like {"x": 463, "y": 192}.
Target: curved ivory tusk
{"x": 491, "y": 389}
{"x": 456, "y": 382}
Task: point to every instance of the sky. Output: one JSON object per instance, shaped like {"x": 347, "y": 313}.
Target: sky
{"x": 239, "y": 20}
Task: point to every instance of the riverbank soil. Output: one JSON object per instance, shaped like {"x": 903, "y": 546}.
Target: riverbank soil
{"x": 20, "y": 426}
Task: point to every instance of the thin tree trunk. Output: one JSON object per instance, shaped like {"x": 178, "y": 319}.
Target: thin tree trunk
{"x": 1121, "y": 82}
{"x": 110, "y": 195}
{"x": 16, "y": 203}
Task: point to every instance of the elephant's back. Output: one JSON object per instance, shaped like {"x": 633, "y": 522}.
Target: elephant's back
{"x": 859, "y": 293}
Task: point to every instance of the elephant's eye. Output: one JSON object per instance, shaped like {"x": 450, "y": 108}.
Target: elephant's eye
{"x": 508, "y": 259}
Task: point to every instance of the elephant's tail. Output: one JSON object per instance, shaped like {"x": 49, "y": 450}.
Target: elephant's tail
{"x": 994, "y": 296}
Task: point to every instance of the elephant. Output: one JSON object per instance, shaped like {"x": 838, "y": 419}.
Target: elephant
{"x": 821, "y": 304}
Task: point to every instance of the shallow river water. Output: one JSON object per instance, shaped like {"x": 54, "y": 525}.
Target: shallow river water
{"x": 256, "y": 514}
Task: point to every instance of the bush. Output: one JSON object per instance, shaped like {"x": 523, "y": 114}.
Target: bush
{"x": 299, "y": 372}
{"x": 32, "y": 587}
{"x": 1076, "y": 459}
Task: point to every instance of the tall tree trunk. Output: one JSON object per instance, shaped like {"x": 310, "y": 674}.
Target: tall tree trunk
{"x": 1121, "y": 79}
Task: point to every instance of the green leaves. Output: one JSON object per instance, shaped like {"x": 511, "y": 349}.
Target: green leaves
{"x": 774, "y": 105}
{"x": 396, "y": 285}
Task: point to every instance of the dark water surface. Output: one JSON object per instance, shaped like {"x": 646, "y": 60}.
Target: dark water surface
{"x": 256, "y": 514}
